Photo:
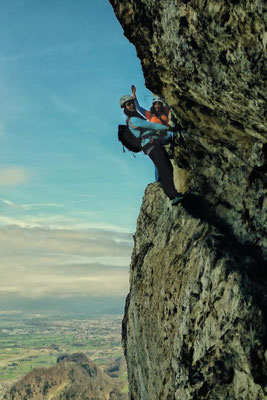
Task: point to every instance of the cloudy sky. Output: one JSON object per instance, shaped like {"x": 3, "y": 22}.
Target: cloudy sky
{"x": 69, "y": 196}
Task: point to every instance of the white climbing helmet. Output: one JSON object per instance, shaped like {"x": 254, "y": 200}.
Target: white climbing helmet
{"x": 124, "y": 99}
{"x": 157, "y": 99}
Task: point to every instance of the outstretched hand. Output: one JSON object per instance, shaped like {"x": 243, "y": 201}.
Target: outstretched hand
{"x": 133, "y": 89}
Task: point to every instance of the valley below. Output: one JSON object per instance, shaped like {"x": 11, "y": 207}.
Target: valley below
{"x": 32, "y": 340}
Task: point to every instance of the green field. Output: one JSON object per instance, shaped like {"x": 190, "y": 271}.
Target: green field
{"x": 33, "y": 341}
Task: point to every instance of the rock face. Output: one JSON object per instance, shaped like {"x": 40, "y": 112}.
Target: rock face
{"x": 195, "y": 322}
{"x": 195, "y": 317}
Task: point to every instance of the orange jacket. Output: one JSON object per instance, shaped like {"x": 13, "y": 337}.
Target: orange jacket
{"x": 163, "y": 120}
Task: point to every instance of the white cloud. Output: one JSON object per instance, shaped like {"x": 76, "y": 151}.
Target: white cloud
{"x": 114, "y": 282}
{"x": 21, "y": 241}
{"x": 28, "y": 207}
{"x": 9, "y": 289}
{"x": 81, "y": 222}
{"x": 40, "y": 263}
{"x": 13, "y": 176}
{"x": 40, "y": 215}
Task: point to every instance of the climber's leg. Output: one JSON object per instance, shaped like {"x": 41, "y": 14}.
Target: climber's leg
{"x": 160, "y": 158}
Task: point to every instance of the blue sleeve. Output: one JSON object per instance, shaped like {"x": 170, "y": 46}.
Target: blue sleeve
{"x": 140, "y": 109}
{"x": 141, "y": 123}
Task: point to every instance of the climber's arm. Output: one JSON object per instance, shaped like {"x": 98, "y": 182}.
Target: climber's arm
{"x": 137, "y": 123}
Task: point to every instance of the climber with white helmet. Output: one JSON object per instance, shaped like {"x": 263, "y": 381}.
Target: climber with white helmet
{"x": 152, "y": 136}
{"x": 124, "y": 99}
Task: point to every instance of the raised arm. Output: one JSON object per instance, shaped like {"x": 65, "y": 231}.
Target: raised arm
{"x": 141, "y": 110}
{"x": 133, "y": 89}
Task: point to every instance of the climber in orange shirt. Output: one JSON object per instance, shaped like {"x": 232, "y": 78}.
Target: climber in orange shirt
{"x": 158, "y": 114}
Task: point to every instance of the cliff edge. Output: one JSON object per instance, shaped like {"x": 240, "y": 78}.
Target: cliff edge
{"x": 195, "y": 317}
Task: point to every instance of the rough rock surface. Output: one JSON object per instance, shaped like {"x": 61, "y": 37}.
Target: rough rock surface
{"x": 195, "y": 322}
{"x": 195, "y": 318}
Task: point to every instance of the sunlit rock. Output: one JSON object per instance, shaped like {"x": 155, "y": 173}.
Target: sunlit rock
{"x": 195, "y": 318}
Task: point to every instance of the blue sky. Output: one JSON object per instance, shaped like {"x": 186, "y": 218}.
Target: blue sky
{"x": 65, "y": 183}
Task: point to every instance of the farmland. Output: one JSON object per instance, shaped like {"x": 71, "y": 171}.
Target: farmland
{"x": 29, "y": 341}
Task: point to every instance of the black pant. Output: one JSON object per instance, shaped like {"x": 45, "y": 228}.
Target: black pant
{"x": 160, "y": 158}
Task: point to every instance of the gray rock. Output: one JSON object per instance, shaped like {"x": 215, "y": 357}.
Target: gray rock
{"x": 195, "y": 320}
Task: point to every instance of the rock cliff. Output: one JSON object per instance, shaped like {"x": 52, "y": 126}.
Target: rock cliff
{"x": 195, "y": 317}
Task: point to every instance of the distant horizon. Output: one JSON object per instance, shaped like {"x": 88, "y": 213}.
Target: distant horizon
{"x": 89, "y": 306}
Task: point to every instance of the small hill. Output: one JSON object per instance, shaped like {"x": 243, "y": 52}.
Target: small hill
{"x": 116, "y": 368}
{"x": 73, "y": 377}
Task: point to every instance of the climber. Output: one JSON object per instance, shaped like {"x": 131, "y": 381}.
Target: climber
{"x": 158, "y": 113}
{"x": 152, "y": 136}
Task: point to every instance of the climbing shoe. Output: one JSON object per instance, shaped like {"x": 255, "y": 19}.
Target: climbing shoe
{"x": 177, "y": 199}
